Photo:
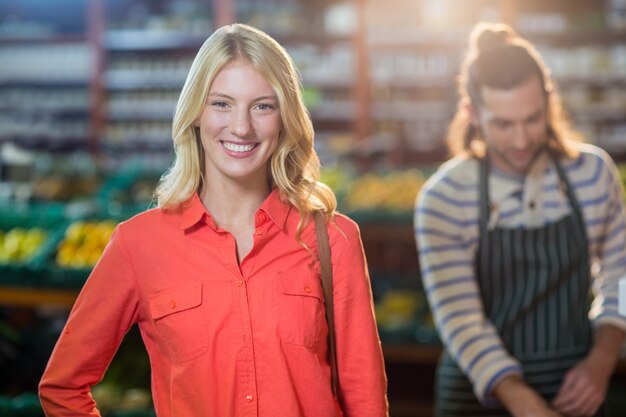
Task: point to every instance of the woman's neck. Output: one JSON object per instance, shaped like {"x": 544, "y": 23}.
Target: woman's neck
{"x": 232, "y": 205}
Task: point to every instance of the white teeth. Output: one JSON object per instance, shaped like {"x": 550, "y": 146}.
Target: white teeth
{"x": 238, "y": 148}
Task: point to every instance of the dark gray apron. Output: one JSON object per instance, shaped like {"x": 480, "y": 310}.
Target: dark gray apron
{"x": 534, "y": 285}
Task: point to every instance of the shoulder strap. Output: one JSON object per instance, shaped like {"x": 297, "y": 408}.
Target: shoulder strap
{"x": 323, "y": 247}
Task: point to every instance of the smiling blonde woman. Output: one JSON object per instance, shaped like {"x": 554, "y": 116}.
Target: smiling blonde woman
{"x": 223, "y": 277}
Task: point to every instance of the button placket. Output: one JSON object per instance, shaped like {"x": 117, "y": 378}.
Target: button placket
{"x": 245, "y": 355}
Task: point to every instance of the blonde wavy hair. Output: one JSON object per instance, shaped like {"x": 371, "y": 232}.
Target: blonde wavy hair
{"x": 294, "y": 165}
{"x": 500, "y": 59}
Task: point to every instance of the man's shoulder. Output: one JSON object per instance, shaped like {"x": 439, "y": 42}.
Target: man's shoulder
{"x": 590, "y": 159}
{"x": 457, "y": 174}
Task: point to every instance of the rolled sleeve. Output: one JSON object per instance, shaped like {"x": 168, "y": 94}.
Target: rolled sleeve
{"x": 106, "y": 308}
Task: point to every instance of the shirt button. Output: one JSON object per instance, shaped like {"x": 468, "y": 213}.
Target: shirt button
{"x": 249, "y": 398}
{"x": 172, "y": 304}
{"x": 258, "y": 232}
{"x": 239, "y": 282}
{"x": 307, "y": 290}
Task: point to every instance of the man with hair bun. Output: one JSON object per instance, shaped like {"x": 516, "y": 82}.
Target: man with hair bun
{"x": 507, "y": 231}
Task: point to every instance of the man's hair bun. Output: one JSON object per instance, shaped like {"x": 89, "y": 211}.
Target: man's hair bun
{"x": 489, "y": 35}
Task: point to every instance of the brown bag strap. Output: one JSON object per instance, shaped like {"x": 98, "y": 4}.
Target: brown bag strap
{"x": 323, "y": 247}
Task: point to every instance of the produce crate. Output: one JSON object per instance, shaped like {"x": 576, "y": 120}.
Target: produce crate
{"x": 24, "y": 405}
{"x": 86, "y": 247}
{"x": 128, "y": 193}
{"x": 378, "y": 216}
{"x": 47, "y": 217}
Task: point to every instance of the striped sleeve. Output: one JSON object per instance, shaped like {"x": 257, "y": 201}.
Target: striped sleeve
{"x": 446, "y": 230}
{"x": 610, "y": 248}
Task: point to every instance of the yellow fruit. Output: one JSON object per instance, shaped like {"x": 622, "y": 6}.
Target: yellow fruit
{"x": 75, "y": 232}
{"x": 65, "y": 254}
{"x": 87, "y": 240}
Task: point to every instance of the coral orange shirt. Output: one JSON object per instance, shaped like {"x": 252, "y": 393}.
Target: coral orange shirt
{"x": 224, "y": 339}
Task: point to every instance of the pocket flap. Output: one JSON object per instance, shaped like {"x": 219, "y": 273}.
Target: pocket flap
{"x": 175, "y": 300}
{"x": 304, "y": 286}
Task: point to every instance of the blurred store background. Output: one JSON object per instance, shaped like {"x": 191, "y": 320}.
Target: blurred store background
{"x": 88, "y": 89}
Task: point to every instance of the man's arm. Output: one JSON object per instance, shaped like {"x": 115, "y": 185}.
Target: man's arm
{"x": 584, "y": 388}
{"x": 521, "y": 400}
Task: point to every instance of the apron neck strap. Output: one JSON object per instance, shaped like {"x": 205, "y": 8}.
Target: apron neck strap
{"x": 485, "y": 201}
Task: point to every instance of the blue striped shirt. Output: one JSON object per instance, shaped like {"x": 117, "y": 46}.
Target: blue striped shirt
{"x": 447, "y": 229}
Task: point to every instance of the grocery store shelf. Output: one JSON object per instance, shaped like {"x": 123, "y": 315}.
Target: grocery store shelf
{"x": 600, "y": 80}
{"x": 578, "y": 38}
{"x": 135, "y": 114}
{"x": 135, "y": 80}
{"x": 599, "y": 114}
{"x": 410, "y": 408}
{"x": 151, "y": 40}
{"x": 43, "y": 83}
{"x": 49, "y": 144}
{"x": 143, "y": 145}
{"x": 60, "y": 111}
{"x": 412, "y": 353}
{"x": 42, "y": 39}
{"x": 36, "y": 297}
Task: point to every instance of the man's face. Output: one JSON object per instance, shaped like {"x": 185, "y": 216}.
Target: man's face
{"x": 513, "y": 123}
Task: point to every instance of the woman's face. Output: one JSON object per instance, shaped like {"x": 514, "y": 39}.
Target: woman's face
{"x": 513, "y": 123}
{"x": 239, "y": 126}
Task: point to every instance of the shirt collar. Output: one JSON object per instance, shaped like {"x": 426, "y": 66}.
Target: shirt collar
{"x": 276, "y": 209}
{"x": 503, "y": 185}
{"x": 193, "y": 210}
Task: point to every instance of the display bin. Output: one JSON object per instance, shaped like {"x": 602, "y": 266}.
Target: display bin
{"x": 128, "y": 193}
{"x": 27, "y": 216}
{"x": 379, "y": 216}
{"x": 56, "y": 276}
{"x": 24, "y": 405}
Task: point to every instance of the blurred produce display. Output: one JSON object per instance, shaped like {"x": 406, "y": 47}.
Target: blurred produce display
{"x": 65, "y": 187}
{"x": 394, "y": 191}
{"x": 335, "y": 178}
{"x": 83, "y": 243}
{"x": 20, "y": 245}
{"x": 403, "y": 315}
{"x": 113, "y": 401}
{"x": 140, "y": 192}
{"x": 131, "y": 403}
{"x": 24, "y": 405}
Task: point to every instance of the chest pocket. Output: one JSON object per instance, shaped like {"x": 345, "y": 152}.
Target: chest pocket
{"x": 179, "y": 319}
{"x": 303, "y": 319}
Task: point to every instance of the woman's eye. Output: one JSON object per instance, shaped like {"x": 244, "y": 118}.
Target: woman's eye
{"x": 265, "y": 106}
{"x": 220, "y": 104}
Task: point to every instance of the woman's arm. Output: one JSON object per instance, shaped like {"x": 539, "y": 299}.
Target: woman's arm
{"x": 104, "y": 311}
{"x": 362, "y": 380}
